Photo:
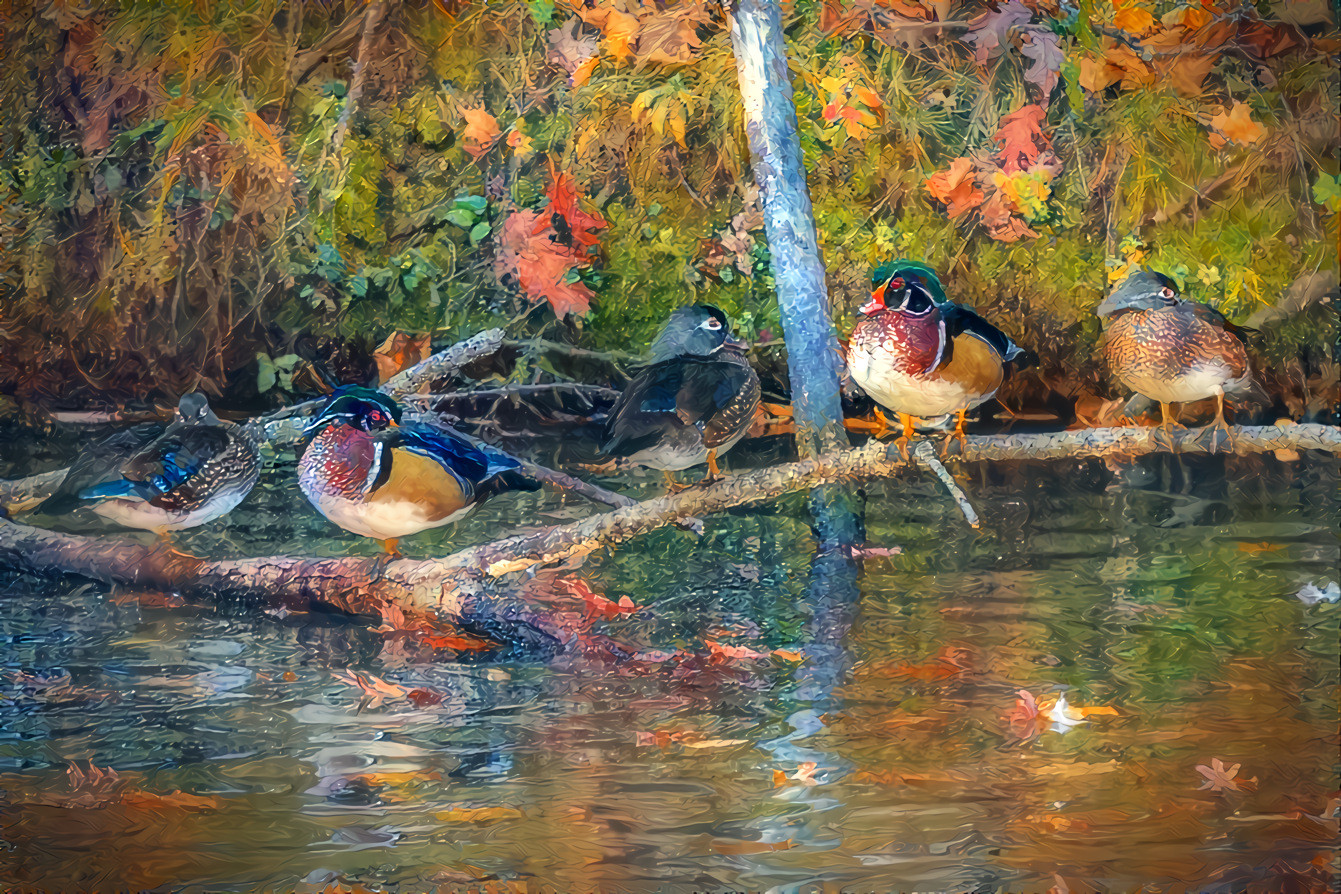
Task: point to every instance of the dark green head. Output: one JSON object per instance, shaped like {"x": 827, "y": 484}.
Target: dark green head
{"x": 195, "y": 407}
{"x": 1143, "y": 289}
{"x": 908, "y": 271}
{"x": 359, "y": 407}
{"x": 695, "y": 330}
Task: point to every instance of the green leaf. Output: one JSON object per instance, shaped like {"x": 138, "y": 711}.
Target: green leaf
{"x": 462, "y": 218}
{"x": 1327, "y": 192}
{"x": 472, "y": 203}
{"x": 265, "y": 373}
{"x": 479, "y": 231}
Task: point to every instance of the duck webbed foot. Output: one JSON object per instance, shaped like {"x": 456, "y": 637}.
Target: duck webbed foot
{"x": 1219, "y": 427}
{"x": 956, "y": 435}
{"x": 902, "y": 441}
{"x": 672, "y": 486}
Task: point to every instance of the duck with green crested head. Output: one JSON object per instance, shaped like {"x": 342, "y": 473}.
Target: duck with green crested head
{"x": 374, "y": 476}
{"x": 919, "y": 354}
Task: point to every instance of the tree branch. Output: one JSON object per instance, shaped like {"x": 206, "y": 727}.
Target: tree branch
{"x": 350, "y": 584}
{"x": 372, "y": 19}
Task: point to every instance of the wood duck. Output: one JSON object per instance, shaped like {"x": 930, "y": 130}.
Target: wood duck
{"x": 375, "y": 477}
{"x": 199, "y": 469}
{"x": 921, "y": 355}
{"x": 1171, "y": 349}
{"x": 693, "y": 401}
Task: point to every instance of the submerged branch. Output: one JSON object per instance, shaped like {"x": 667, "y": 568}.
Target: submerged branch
{"x": 926, "y": 455}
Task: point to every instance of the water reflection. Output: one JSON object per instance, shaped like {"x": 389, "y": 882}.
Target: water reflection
{"x": 257, "y": 750}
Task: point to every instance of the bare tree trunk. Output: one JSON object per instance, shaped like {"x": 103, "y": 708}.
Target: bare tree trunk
{"x": 813, "y": 358}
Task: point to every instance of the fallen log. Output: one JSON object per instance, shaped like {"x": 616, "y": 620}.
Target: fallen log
{"x": 457, "y": 586}
{"x": 351, "y": 584}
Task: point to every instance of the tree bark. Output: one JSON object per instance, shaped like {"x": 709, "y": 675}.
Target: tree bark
{"x": 456, "y": 586}
{"x": 813, "y": 357}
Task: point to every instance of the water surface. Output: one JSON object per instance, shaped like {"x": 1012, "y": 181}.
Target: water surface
{"x": 876, "y": 744}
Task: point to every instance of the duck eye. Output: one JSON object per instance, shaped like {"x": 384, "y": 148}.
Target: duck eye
{"x": 1168, "y": 292}
{"x": 713, "y": 323}
{"x": 897, "y": 284}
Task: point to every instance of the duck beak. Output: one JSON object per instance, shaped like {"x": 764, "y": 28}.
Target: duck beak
{"x": 733, "y": 342}
{"x": 877, "y": 302}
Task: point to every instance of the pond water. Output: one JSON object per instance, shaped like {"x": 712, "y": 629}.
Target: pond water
{"x": 790, "y": 723}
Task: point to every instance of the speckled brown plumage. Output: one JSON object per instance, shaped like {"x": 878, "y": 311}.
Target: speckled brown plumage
{"x": 1175, "y": 354}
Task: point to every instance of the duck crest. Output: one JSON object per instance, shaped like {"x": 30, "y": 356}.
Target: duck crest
{"x": 914, "y": 343}
{"x": 340, "y": 461}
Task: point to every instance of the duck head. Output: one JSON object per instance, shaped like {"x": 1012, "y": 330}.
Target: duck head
{"x": 905, "y": 290}
{"x": 195, "y": 407}
{"x": 695, "y": 330}
{"x": 358, "y": 407}
{"x": 1142, "y": 290}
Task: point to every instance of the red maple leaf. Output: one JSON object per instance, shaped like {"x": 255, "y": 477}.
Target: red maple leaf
{"x": 1022, "y": 139}
{"x": 563, "y": 201}
{"x": 527, "y": 250}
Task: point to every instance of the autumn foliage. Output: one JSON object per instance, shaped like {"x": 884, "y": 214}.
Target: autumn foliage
{"x": 206, "y": 196}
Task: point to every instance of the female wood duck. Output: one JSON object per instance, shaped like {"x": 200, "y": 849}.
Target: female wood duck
{"x": 921, "y": 355}
{"x": 377, "y": 478}
{"x": 199, "y": 469}
{"x": 1171, "y": 349}
{"x": 693, "y": 401}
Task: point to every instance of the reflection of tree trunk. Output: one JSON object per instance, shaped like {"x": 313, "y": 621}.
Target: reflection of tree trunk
{"x": 798, "y": 270}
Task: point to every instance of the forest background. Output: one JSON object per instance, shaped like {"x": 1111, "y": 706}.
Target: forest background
{"x": 261, "y": 199}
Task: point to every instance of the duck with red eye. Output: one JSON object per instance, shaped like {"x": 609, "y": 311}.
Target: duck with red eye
{"x": 1172, "y": 349}
{"x": 692, "y": 402}
{"x": 922, "y": 356}
{"x": 379, "y": 478}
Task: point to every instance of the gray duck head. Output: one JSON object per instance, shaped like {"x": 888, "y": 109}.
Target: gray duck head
{"x": 1143, "y": 289}
{"x": 695, "y": 330}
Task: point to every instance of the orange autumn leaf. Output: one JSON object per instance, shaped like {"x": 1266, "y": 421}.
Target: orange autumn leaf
{"x": 1186, "y": 73}
{"x": 582, "y": 73}
{"x": 481, "y": 130}
{"x": 956, "y": 188}
{"x": 399, "y": 352}
{"x": 1022, "y": 139}
{"x": 528, "y": 252}
{"x": 1237, "y": 124}
{"x": 619, "y": 29}
{"x": 1132, "y": 17}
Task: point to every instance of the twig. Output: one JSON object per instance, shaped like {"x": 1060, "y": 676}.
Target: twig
{"x": 371, "y": 20}
{"x": 927, "y": 457}
{"x": 517, "y": 391}
{"x": 444, "y": 364}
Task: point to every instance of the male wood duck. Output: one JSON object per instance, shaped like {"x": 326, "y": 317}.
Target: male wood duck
{"x": 199, "y": 469}
{"x": 692, "y": 402}
{"x": 919, "y": 354}
{"x": 375, "y": 477}
{"x": 1172, "y": 349}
